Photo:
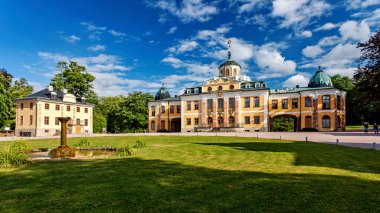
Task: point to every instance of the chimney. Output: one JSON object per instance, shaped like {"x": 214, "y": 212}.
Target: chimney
{"x": 64, "y": 91}
{"x": 50, "y": 88}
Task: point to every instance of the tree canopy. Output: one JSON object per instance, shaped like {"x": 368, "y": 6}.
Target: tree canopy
{"x": 74, "y": 78}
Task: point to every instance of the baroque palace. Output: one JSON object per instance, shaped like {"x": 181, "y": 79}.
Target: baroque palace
{"x": 234, "y": 103}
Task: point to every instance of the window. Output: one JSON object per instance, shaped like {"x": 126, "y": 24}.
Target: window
{"x": 78, "y": 121}
{"x": 247, "y": 120}
{"x": 231, "y": 120}
{"x": 78, "y": 109}
{"x": 232, "y": 87}
{"x": 162, "y": 109}
{"x": 209, "y": 104}
{"x": 31, "y": 105}
{"x": 326, "y": 102}
{"x": 153, "y": 125}
{"x": 235, "y": 71}
{"x": 247, "y": 102}
{"x": 46, "y": 106}
{"x": 256, "y": 120}
{"x": 196, "y": 105}
{"x": 209, "y": 89}
{"x": 196, "y": 90}
{"x": 256, "y": 102}
{"x": 171, "y": 109}
{"x": 338, "y": 102}
{"x": 57, "y": 107}
{"x": 56, "y": 121}
{"x": 188, "y": 121}
{"x": 178, "y": 109}
{"x": 220, "y": 104}
{"x": 220, "y": 120}
{"x": 188, "y": 105}
{"x": 46, "y": 120}
{"x": 86, "y": 122}
{"x": 31, "y": 120}
{"x": 284, "y": 103}
{"x": 326, "y": 121}
{"x": 46, "y": 131}
{"x": 294, "y": 103}
{"x": 22, "y": 106}
{"x": 231, "y": 103}
{"x": 153, "y": 109}
{"x": 68, "y": 108}
{"x": 209, "y": 120}
{"x": 307, "y": 102}
{"x": 196, "y": 121}
{"x": 86, "y": 110}
{"x": 21, "y": 120}
{"x": 274, "y": 104}
{"x": 220, "y": 88}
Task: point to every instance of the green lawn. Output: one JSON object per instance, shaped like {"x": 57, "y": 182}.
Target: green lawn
{"x": 201, "y": 174}
{"x": 355, "y": 127}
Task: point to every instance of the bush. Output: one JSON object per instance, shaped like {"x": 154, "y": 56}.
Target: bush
{"x": 139, "y": 144}
{"x": 83, "y": 143}
{"x": 14, "y": 155}
{"x": 125, "y": 151}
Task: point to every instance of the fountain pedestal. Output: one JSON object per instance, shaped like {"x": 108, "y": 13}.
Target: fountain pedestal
{"x": 63, "y": 150}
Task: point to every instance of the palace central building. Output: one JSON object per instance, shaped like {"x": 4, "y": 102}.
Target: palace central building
{"x": 234, "y": 103}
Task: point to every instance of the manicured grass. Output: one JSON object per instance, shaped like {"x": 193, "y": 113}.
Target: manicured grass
{"x": 354, "y": 127}
{"x": 201, "y": 174}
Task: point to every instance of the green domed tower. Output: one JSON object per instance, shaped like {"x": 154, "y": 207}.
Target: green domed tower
{"x": 320, "y": 79}
{"x": 162, "y": 94}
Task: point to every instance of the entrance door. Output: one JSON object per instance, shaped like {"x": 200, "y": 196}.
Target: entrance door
{"x": 78, "y": 129}
{"x": 163, "y": 125}
{"x": 308, "y": 122}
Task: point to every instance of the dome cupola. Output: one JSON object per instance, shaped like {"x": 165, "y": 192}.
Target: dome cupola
{"x": 320, "y": 79}
{"x": 230, "y": 67}
{"x": 162, "y": 94}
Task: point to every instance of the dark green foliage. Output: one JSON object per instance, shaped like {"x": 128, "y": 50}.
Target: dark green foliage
{"x": 74, "y": 78}
{"x": 6, "y": 102}
{"x": 283, "y": 124}
{"x": 21, "y": 88}
{"x": 100, "y": 121}
{"x": 139, "y": 144}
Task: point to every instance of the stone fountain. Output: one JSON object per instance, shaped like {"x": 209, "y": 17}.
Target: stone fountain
{"x": 63, "y": 150}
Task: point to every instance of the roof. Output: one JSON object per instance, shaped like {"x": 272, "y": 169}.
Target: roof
{"x": 162, "y": 93}
{"x": 320, "y": 79}
{"x": 45, "y": 95}
{"x": 229, "y": 62}
{"x": 297, "y": 89}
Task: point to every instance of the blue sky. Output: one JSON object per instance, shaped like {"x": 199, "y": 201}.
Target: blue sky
{"x": 138, "y": 45}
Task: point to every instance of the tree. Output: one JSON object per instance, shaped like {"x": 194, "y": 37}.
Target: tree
{"x": 342, "y": 82}
{"x": 74, "y": 78}
{"x": 6, "y": 102}
{"x": 21, "y": 88}
{"x": 367, "y": 75}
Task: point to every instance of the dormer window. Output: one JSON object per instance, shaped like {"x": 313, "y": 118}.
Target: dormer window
{"x": 196, "y": 90}
{"x": 188, "y": 91}
{"x": 257, "y": 85}
{"x": 220, "y": 88}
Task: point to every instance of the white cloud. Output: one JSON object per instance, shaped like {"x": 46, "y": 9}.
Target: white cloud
{"x": 312, "y": 51}
{"x": 251, "y": 5}
{"x": 355, "y": 4}
{"x": 72, "y": 38}
{"x": 327, "y": 26}
{"x": 116, "y": 33}
{"x": 345, "y": 71}
{"x": 273, "y": 64}
{"x": 91, "y": 27}
{"x": 307, "y": 33}
{"x": 184, "y": 46}
{"x": 355, "y": 30}
{"x": 96, "y": 48}
{"x": 187, "y": 10}
{"x": 298, "y": 13}
{"x": 329, "y": 40}
{"x": 172, "y": 30}
{"x": 301, "y": 80}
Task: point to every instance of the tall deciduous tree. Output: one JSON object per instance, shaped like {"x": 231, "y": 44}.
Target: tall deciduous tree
{"x": 74, "y": 78}
{"x": 6, "y": 102}
{"x": 21, "y": 88}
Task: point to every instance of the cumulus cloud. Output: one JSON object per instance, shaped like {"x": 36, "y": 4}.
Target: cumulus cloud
{"x": 312, "y": 51}
{"x": 72, "y": 39}
{"x": 301, "y": 80}
{"x": 298, "y": 13}
{"x": 273, "y": 64}
{"x": 358, "y": 31}
{"x": 307, "y": 33}
{"x": 187, "y": 10}
{"x": 184, "y": 46}
{"x": 329, "y": 40}
{"x": 251, "y": 5}
{"x": 355, "y": 4}
{"x": 96, "y": 48}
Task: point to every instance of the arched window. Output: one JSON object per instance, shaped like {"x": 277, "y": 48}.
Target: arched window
{"x": 232, "y": 87}
{"x": 326, "y": 121}
{"x": 326, "y": 102}
{"x": 231, "y": 120}
{"x": 209, "y": 120}
{"x": 228, "y": 72}
{"x": 209, "y": 89}
{"x": 235, "y": 71}
{"x": 220, "y": 104}
{"x": 220, "y": 120}
{"x": 220, "y": 88}
{"x": 307, "y": 102}
{"x": 209, "y": 104}
{"x": 153, "y": 125}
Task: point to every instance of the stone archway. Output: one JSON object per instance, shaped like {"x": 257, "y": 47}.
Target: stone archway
{"x": 175, "y": 125}
{"x": 284, "y": 123}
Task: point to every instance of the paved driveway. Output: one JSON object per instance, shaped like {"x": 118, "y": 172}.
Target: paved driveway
{"x": 353, "y": 139}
